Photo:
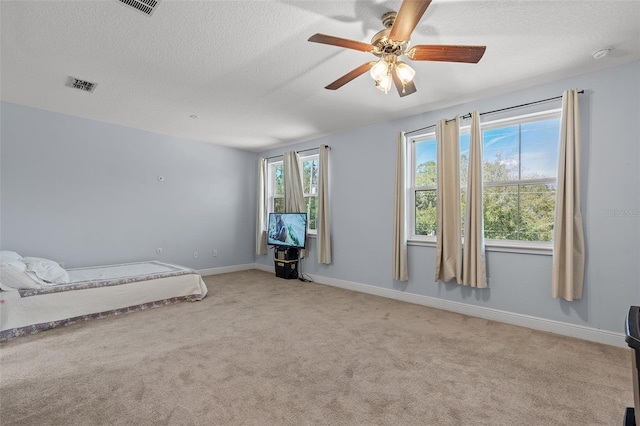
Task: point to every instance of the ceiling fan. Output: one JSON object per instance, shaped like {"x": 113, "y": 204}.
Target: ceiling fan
{"x": 393, "y": 42}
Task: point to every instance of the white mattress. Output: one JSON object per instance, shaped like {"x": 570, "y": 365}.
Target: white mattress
{"x": 110, "y": 272}
{"x": 102, "y": 290}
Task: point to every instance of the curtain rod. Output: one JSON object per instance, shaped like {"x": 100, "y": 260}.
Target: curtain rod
{"x": 302, "y": 150}
{"x": 468, "y": 115}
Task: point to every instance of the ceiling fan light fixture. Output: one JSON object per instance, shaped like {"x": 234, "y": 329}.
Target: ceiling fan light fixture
{"x": 405, "y": 72}
{"x": 379, "y": 70}
{"x": 384, "y": 84}
{"x": 393, "y": 42}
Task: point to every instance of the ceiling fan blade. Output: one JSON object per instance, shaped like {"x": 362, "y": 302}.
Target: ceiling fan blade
{"x": 408, "y": 88}
{"x": 446, "y": 53}
{"x": 350, "y": 76}
{"x": 341, "y": 42}
{"x": 408, "y": 16}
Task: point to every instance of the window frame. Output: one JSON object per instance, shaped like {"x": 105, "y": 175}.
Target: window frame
{"x": 272, "y": 196}
{"x": 517, "y": 246}
{"x": 272, "y": 185}
{"x": 412, "y": 188}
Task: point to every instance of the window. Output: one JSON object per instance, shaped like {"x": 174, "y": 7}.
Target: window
{"x": 520, "y": 157}
{"x": 424, "y": 180}
{"x": 519, "y": 169}
{"x": 276, "y": 187}
{"x": 309, "y": 187}
{"x": 423, "y": 185}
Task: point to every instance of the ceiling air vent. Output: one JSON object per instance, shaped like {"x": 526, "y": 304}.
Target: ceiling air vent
{"x": 85, "y": 86}
{"x": 145, "y": 6}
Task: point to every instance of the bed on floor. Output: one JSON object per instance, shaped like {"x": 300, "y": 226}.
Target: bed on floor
{"x": 37, "y": 294}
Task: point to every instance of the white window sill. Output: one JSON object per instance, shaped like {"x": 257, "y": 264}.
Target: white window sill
{"x": 541, "y": 248}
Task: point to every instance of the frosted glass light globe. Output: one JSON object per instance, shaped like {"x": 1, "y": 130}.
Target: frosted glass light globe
{"x": 405, "y": 72}
{"x": 379, "y": 70}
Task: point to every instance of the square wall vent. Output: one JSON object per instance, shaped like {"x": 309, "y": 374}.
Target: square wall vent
{"x": 144, "y": 6}
{"x": 85, "y": 86}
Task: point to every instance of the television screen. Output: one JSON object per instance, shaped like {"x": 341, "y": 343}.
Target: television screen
{"x": 287, "y": 229}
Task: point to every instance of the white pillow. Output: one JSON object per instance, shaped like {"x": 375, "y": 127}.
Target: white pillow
{"x": 15, "y": 263}
{"x": 12, "y": 278}
{"x": 35, "y": 278}
{"x": 7, "y": 255}
{"x": 47, "y": 270}
{"x": 10, "y": 254}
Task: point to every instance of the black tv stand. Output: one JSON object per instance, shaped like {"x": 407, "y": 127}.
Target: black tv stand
{"x": 286, "y": 253}
{"x": 286, "y": 262}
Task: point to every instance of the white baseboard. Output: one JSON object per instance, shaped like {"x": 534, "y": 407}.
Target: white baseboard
{"x": 227, "y": 269}
{"x": 265, "y": 268}
{"x": 565, "y": 329}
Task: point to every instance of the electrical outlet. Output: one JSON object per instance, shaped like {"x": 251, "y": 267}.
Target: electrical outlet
{"x": 195, "y": 254}
{"x": 215, "y": 253}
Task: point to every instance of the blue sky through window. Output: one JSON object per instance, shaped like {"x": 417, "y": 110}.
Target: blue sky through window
{"x": 538, "y": 156}
{"x": 540, "y": 148}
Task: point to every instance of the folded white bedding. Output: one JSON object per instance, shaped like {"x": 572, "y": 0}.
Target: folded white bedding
{"x": 12, "y": 278}
{"x": 47, "y": 271}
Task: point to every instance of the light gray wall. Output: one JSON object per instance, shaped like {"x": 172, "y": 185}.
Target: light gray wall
{"x": 87, "y": 193}
{"x": 362, "y": 176}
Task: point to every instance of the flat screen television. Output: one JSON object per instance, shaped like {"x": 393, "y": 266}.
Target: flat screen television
{"x": 287, "y": 230}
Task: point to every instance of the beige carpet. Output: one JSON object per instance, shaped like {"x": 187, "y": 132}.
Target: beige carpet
{"x": 260, "y": 350}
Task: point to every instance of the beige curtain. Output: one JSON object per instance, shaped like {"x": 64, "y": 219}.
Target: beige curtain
{"x": 568, "y": 237}
{"x": 474, "y": 270}
{"x": 323, "y": 228}
{"x": 293, "y": 193}
{"x": 449, "y": 238}
{"x": 400, "y": 270}
{"x": 261, "y": 213}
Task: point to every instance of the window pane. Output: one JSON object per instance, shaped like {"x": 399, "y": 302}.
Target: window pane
{"x": 310, "y": 176}
{"x": 501, "y": 212}
{"x": 537, "y": 204}
{"x": 464, "y": 158}
{"x": 279, "y": 177}
{"x": 464, "y": 174}
{"x": 425, "y": 163}
{"x": 312, "y": 211}
{"x": 500, "y": 154}
{"x": 425, "y": 212}
{"x": 278, "y": 205}
{"x": 539, "y": 156}
{"x": 463, "y": 207}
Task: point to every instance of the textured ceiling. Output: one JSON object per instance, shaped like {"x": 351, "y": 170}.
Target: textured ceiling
{"x": 246, "y": 70}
